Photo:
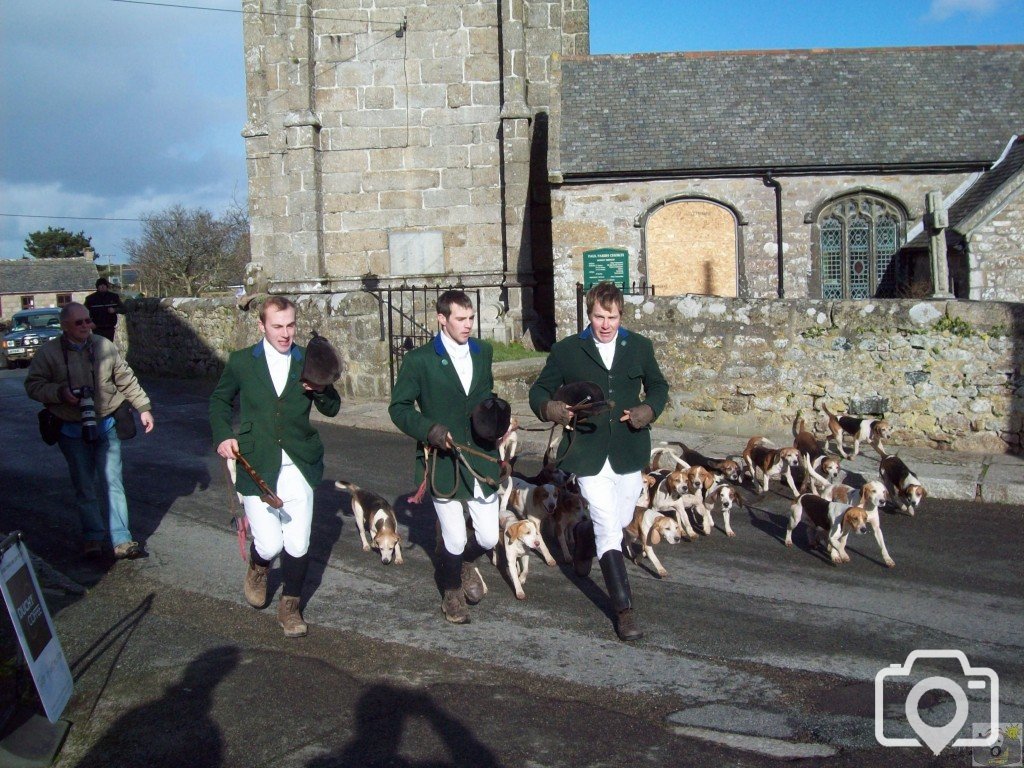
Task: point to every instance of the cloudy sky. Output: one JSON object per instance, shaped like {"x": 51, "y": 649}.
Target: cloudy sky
{"x": 112, "y": 109}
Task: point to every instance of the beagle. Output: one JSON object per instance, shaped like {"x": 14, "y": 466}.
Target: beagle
{"x": 518, "y": 537}
{"x": 570, "y": 508}
{"x": 764, "y": 460}
{"x": 723, "y": 499}
{"x": 831, "y": 520}
{"x": 904, "y": 487}
{"x": 677, "y": 491}
{"x": 726, "y": 470}
{"x": 649, "y": 527}
{"x": 531, "y": 502}
{"x": 824, "y": 470}
{"x": 870, "y": 497}
{"x": 374, "y": 516}
{"x": 872, "y": 431}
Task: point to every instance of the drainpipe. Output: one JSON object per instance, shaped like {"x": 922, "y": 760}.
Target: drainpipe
{"x": 774, "y": 184}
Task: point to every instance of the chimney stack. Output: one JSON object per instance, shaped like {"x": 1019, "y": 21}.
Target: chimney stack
{"x": 89, "y": 254}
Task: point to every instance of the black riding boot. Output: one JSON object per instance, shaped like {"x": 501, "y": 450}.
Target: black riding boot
{"x": 453, "y": 599}
{"x": 613, "y": 567}
{"x": 584, "y": 547}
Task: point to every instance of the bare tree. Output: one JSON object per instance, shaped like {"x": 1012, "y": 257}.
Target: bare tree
{"x": 189, "y": 252}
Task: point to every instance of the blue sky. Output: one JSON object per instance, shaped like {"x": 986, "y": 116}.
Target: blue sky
{"x": 111, "y": 110}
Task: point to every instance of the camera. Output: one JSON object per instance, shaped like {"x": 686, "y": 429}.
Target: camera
{"x": 87, "y": 412}
{"x": 981, "y": 680}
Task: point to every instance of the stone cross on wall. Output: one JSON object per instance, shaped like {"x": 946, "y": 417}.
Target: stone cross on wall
{"x": 937, "y": 219}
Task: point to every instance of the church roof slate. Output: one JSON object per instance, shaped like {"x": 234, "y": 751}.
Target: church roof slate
{"x": 814, "y": 110}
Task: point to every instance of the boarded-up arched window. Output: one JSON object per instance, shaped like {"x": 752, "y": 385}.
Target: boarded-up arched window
{"x": 691, "y": 248}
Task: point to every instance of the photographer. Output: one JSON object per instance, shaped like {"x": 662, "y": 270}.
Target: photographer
{"x": 82, "y": 379}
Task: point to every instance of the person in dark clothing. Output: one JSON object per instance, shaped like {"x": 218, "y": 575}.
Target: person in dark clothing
{"x": 104, "y": 306}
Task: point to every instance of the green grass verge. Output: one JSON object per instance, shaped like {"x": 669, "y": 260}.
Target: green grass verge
{"x": 513, "y": 351}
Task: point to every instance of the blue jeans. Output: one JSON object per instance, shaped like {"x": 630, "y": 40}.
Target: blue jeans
{"x": 95, "y": 467}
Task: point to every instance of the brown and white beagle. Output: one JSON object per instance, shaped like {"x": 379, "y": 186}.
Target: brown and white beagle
{"x": 518, "y": 537}
{"x": 678, "y": 491}
{"x": 872, "y": 431}
{"x": 823, "y": 470}
{"x": 649, "y": 527}
{"x": 870, "y": 497}
{"x": 375, "y": 517}
{"x": 904, "y": 487}
{"x": 764, "y": 460}
{"x": 723, "y": 500}
{"x": 831, "y": 520}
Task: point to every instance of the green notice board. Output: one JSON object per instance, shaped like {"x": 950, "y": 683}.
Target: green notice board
{"x": 602, "y": 264}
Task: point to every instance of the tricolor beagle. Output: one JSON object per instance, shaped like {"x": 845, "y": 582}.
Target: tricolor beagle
{"x": 764, "y": 460}
{"x": 832, "y": 520}
{"x": 870, "y": 497}
{"x": 904, "y": 487}
{"x": 374, "y": 516}
{"x": 871, "y": 431}
{"x": 823, "y": 470}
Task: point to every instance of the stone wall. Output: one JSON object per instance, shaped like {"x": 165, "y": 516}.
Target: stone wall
{"x": 193, "y": 337}
{"x": 995, "y": 247}
{"x": 947, "y": 374}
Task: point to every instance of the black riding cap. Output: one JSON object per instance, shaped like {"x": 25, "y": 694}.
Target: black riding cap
{"x": 490, "y": 420}
{"x": 322, "y": 366}
{"x": 578, "y": 392}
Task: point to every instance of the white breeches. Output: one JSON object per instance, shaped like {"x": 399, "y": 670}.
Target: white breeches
{"x": 286, "y": 528}
{"x": 612, "y": 498}
{"x": 482, "y": 509}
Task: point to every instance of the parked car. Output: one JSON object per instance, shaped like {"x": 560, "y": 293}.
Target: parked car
{"x": 29, "y": 329}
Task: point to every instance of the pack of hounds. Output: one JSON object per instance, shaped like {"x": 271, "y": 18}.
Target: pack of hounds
{"x": 684, "y": 492}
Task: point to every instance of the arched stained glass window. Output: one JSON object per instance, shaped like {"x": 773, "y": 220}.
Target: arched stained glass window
{"x": 859, "y": 236}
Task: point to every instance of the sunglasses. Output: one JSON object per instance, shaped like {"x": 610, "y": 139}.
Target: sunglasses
{"x": 84, "y": 321}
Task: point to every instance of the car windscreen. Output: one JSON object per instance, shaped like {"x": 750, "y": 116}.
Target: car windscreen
{"x": 28, "y": 322}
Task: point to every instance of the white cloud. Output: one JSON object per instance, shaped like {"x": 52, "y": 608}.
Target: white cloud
{"x": 941, "y": 10}
{"x": 113, "y": 110}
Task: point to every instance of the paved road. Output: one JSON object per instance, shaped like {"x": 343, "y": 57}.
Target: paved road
{"x": 752, "y": 650}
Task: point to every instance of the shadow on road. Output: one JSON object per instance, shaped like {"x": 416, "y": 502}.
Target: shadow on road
{"x": 387, "y": 716}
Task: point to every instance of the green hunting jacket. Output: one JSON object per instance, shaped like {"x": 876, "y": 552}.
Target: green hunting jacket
{"x": 428, "y": 380}
{"x": 268, "y": 423}
{"x": 634, "y": 372}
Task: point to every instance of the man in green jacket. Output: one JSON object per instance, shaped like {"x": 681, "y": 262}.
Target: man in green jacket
{"x": 276, "y": 438}
{"x": 607, "y": 450}
{"x": 446, "y": 379}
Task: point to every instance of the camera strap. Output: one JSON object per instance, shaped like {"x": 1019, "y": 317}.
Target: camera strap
{"x": 64, "y": 344}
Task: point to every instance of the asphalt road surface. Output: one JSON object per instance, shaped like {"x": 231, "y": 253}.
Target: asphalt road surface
{"x": 754, "y": 653}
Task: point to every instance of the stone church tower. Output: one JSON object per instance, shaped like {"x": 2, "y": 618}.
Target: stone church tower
{"x": 405, "y": 142}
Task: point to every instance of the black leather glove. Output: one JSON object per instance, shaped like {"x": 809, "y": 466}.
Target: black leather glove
{"x": 557, "y": 411}
{"x": 438, "y": 437}
{"x": 640, "y": 416}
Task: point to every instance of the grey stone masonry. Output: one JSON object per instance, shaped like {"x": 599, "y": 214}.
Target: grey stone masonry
{"x": 368, "y": 120}
{"x": 946, "y": 374}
